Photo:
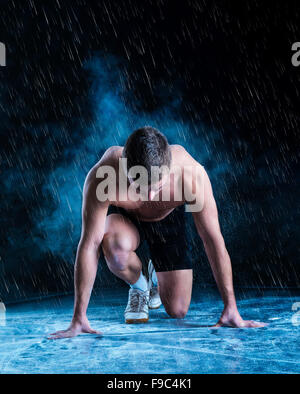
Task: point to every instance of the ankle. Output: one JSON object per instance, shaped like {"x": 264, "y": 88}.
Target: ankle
{"x": 154, "y": 279}
{"x": 141, "y": 283}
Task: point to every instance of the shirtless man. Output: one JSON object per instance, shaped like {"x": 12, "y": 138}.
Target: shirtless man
{"x": 117, "y": 223}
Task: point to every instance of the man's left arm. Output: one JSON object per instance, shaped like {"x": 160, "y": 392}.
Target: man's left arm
{"x": 207, "y": 224}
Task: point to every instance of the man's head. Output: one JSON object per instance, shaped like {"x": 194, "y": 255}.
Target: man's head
{"x": 149, "y": 148}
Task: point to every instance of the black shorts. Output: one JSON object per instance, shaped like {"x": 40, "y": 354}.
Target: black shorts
{"x": 167, "y": 239}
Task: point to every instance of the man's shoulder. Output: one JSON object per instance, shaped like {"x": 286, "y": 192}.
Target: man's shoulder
{"x": 176, "y": 148}
{"x": 111, "y": 155}
{"x": 109, "y": 158}
{"x": 191, "y": 170}
{"x": 182, "y": 157}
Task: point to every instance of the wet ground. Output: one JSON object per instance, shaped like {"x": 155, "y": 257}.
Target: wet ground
{"x": 163, "y": 345}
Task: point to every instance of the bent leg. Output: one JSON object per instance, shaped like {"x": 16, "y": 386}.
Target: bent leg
{"x": 175, "y": 290}
{"x": 121, "y": 239}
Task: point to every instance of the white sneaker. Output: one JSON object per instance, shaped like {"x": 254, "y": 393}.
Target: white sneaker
{"x": 137, "y": 307}
{"x": 154, "y": 298}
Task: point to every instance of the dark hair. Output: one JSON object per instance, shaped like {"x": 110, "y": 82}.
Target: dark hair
{"x": 147, "y": 147}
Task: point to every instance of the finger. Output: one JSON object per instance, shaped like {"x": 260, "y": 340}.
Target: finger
{"x": 62, "y": 335}
{"x": 53, "y": 337}
{"x": 91, "y": 331}
{"x": 217, "y": 325}
{"x": 95, "y": 332}
{"x": 254, "y": 324}
{"x": 259, "y": 324}
{"x": 56, "y": 336}
{"x": 58, "y": 332}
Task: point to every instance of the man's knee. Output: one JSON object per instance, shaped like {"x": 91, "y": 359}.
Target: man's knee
{"x": 177, "y": 311}
{"x": 116, "y": 249}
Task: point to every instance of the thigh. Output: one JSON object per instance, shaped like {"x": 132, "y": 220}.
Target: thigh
{"x": 175, "y": 289}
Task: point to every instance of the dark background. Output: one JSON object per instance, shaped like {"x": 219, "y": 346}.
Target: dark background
{"x": 214, "y": 76}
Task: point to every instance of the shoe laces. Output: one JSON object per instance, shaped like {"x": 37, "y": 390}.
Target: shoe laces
{"x": 137, "y": 300}
{"x": 153, "y": 291}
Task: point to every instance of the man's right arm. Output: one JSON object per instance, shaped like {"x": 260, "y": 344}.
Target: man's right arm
{"x": 93, "y": 223}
